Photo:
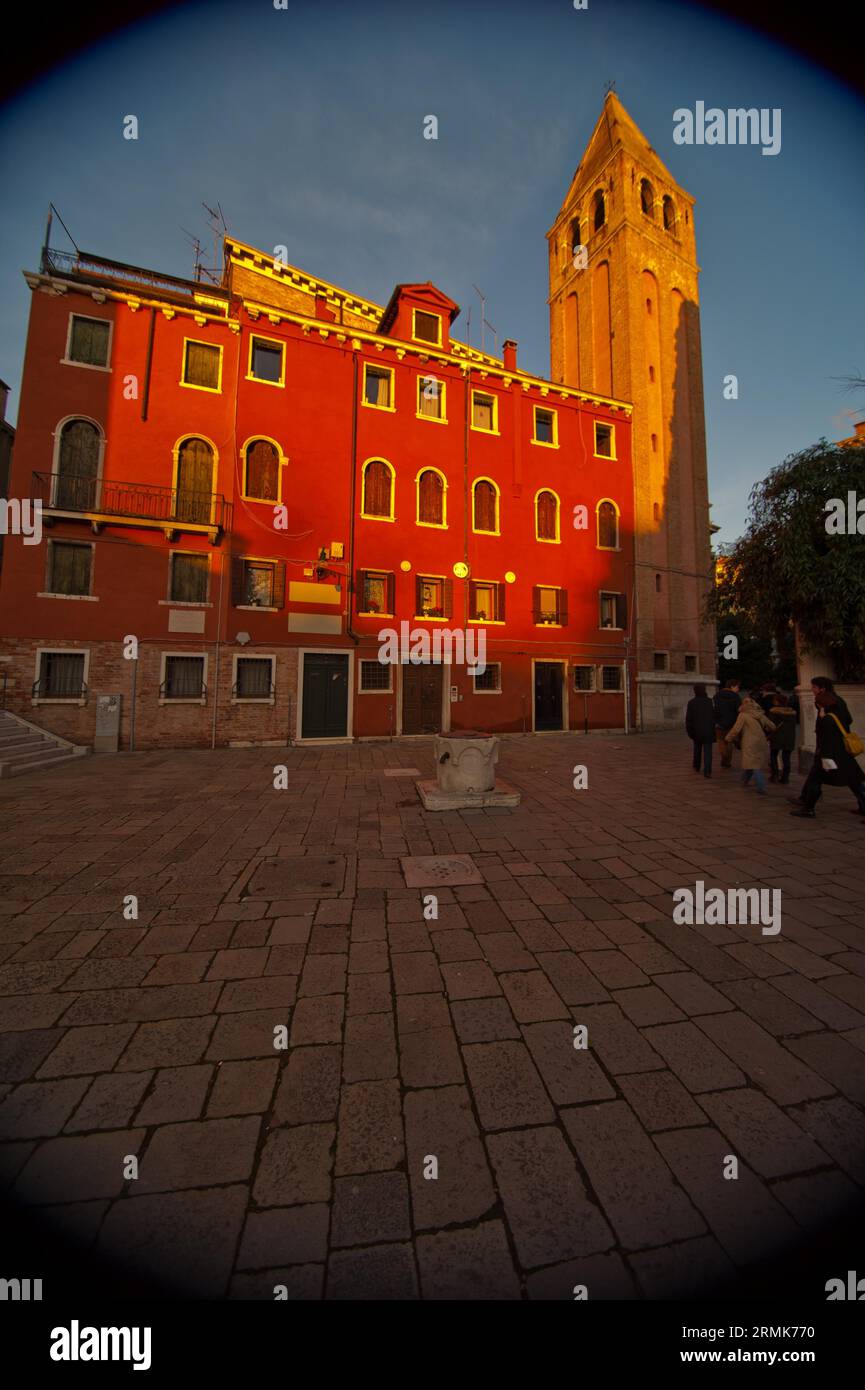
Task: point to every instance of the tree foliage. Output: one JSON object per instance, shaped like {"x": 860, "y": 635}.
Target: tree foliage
{"x": 788, "y": 569}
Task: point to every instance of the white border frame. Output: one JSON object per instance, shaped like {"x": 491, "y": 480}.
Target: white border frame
{"x": 67, "y": 361}
{"x": 61, "y": 699}
{"x": 253, "y": 699}
{"x": 187, "y": 700}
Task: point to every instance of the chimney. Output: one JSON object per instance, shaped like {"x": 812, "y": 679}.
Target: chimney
{"x": 509, "y": 353}
{"x": 4, "y": 396}
{"x": 321, "y": 309}
{"x": 860, "y": 428}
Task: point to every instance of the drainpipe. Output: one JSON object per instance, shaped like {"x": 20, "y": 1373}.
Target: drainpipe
{"x": 132, "y": 706}
{"x": 148, "y": 365}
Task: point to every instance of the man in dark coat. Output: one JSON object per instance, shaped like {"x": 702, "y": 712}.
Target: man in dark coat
{"x": 833, "y": 766}
{"x": 726, "y": 702}
{"x": 783, "y": 741}
{"x": 700, "y": 728}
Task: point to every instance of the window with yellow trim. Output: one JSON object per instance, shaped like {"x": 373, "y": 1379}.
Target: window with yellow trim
{"x": 605, "y": 440}
{"x": 201, "y": 365}
{"x": 378, "y": 387}
{"x": 430, "y": 398}
{"x": 608, "y": 526}
{"x": 430, "y": 498}
{"x": 426, "y": 327}
{"x": 546, "y": 516}
{"x": 266, "y": 360}
{"x": 261, "y": 471}
{"x": 377, "y": 489}
{"x": 484, "y": 412}
{"x": 485, "y": 508}
{"x": 546, "y": 426}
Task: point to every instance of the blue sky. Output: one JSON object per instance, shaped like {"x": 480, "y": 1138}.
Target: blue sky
{"x": 306, "y": 125}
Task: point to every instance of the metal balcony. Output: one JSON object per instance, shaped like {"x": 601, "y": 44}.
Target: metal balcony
{"x": 102, "y": 502}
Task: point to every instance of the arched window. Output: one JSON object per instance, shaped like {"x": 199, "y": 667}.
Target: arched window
{"x": 546, "y": 516}
{"x": 657, "y": 583}
{"x": 377, "y": 489}
{"x": 485, "y": 511}
{"x": 656, "y": 509}
{"x": 194, "y": 481}
{"x": 600, "y": 211}
{"x": 575, "y": 236}
{"x": 669, "y": 212}
{"x": 430, "y": 498}
{"x": 261, "y": 480}
{"x": 77, "y": 475}
{"x": 608, "y": 526}
{"x": 647, "y": 198}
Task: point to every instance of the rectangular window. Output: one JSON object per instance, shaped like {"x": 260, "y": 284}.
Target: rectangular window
{"x": 188, "y": 580}
{"x": 253, "y": 679}
{"x": 484, "y": 412}
{"x": 378, "y": 387}
{"x": 660, "y": 661}
{"x": 69, "y": 568}
{"x": 584, "y": 677}
{"x": 427, "y": 327}
{"x": 690, "y": 663}
{"x": 61, "y": 676}
{"x": 490, "y": 680}
{"x": 184, "y": 678}
{"x": 433, "y": 596}
{"x": 201, "y": 365}
{"x": 89, "y": 341}
{"x": 265, "y": 360}
{"x": 375, "y": 592}
{"x": 257, "y": 583}
{"x": 611, "y": 677}
{"x": 375, "y": 676}
{"x": 613, "y": 611}
{"x": 550, "y": 606}
{"x": 546, "y": 429}
{"x": 486, "y": 601}
{"x": 605, "y": 441}
{"x": 430, "y": 398}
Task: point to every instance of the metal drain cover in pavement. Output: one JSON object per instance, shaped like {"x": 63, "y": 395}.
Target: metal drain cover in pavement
{"x": 444, "y": 870}
{"x": 302, "y": 877}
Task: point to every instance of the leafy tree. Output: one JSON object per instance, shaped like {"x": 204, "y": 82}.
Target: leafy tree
{"x": 788, "y": 570}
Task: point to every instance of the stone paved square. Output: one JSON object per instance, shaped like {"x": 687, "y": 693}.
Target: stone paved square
{"x": 328, "y": 1089}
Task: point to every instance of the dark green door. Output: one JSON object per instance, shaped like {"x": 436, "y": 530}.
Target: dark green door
{"x": 325, "y": 695}
{"x": 548, "y": 695}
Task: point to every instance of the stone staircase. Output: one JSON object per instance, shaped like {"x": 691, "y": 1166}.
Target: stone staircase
{"x": 26, "y": 748}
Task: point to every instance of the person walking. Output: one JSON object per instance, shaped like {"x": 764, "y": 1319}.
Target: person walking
{"x": 783, "y": 740}
{"x": 833, "y": 766}
{"x": 700, "y": 728}
{"x": 753, "y": 726}
{"x": 726, "y": 705}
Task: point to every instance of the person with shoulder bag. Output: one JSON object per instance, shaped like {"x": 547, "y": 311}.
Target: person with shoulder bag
{"x": 835, "y": 756}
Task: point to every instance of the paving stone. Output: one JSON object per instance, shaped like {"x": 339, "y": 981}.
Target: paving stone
{"x": 763, "y": 1135}
{"x": 142, "y": 1005}
{"x": 484, "y": 1020}
{"x": 290, "y": 931}
{"x": 183, "y": 1239}
{"x": 110, "y": 1102}
{"x": 284, "y": 1235}
{"x": 505, "y": 951}
{"x": 647, "y": 1006}
{"x": 323, "y": 975}
{"x": 832, "y": 1012}
{"x": 171, "y": 1042}
{"x": 548, "y": 1211}
{"x": 30, "y": 1011}
{"x": 615, "y": 1041}
{"x": 532, "y": 997}
{"x": 247, "y": 1035}
{"x": 471, "y": 979}
{"x": 378, "y": 1272}
{"x": 819, "y": 1200}
{"x": 77, "y": 1169}
{"x": 770, "y": 1065}
{"x": 369, "y": 1053}
{"x": 202, "y": 1154}
{"x": 571, "y": 1075}
{"x": 696, "y": 1061}
{"x": 634, "y": 1185}
{"x": 295, "y": 1166}
{"x": 368, "y": 958}
{"x": 835, "y": 1059}
{"x": 242, "y": 1088}
{"x": 690, "y": 1268}
{"x": 747, "y": 1220}
{"x": 570, "y": 978}
{"x": 660, "y": 1100}
{"x": 602, "y": 1277}
{"x": 178, "y": 1093}
{"x": 308, "y": 1090}
{"x": 693, "y": 995}
{"x": 773, "y": 1010}
{"x": 456, "y": 945}
{"x": 431, "y": 1058}
{"x": 368, "y": 994}
{"x": 40, "y": 1108}
{"x": 21, "y": 1054}
{"x": 468, "y": 1265}
{"x": 506, "y": 1086}
{"x": 77, "y": 1223}
{"x": 370, "y": 1135}
{"x": 440, "y": 1124}
{"x": 293, "y": 1284}
{"x": 179, "y": 969}
{"x": 237, "y": 965}
{"x": 370, "y": 1208}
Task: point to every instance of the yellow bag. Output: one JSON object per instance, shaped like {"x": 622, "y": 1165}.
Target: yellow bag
{"x": 852, "y": 741}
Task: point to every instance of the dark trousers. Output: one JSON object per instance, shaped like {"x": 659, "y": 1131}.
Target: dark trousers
{"x": 703, "y": 754}
{"x": 785, "y": 754}
{"x": 726, "y": 748}
{"x": 813, "y": 788}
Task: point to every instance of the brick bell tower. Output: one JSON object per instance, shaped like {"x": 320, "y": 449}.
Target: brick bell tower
{"x": 625, "y": 322}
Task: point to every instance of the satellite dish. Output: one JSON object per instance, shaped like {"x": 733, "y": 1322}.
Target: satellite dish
{"x": 243, "y": 638}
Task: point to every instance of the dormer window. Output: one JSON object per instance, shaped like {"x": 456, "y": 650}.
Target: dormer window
{"x": 426, "y": 327}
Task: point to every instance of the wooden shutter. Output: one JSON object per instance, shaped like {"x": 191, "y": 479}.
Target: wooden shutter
{"x": 500, "y": 602}
{"x": 359, "y": 590}
{"x": 449, "y": 598}
{"x": 473, "y": 599}
{"x": 536, "y": 603}
{"x": 546, "y": 519}
{"x": 262, "y": 471}
{"x": 621, "y": 611}
{"x": 430, "y": 498}
{"x": 484, "y": 507}
{"x": 377, "y": 489}
{"x": 418, "y": 595}
{"x": 279, "y": 585}
{"x": 202, "y": 365}
{"x": 391, "y": 600}
{"x": 562, "y": 607}
{"x": 78, "y": 465}
{"x": 607, "y": 526}
{"x": 238, "y": 580}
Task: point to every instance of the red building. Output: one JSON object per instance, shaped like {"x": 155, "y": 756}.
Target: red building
{"x": 243, "y": 486}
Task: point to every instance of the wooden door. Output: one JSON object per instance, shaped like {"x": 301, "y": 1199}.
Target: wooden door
{"x": 422, "y": 699}
{"x": 548, "y": 695}
{"x": 194, "y": 481}
{"x": 325, "y": 695}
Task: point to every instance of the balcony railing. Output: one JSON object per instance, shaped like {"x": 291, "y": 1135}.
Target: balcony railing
{"x": 61, "y": 687}
{"x": 100, "y": 268}
{"x": 134, "y": 501}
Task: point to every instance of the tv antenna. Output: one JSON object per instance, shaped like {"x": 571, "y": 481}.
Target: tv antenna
{"x": 219, "y": 228}
{"x": 485, "y": 323}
